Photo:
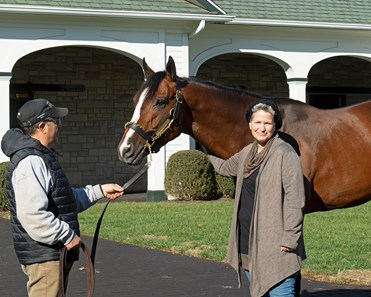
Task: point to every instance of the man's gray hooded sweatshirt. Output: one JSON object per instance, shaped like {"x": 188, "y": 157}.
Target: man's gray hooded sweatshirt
{"x": 43, "y": 206}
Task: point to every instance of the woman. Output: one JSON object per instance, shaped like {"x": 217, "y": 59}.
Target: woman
{"x": 266, "y": 231}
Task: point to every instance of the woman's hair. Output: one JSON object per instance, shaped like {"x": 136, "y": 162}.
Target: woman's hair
{"x": 267, "y": 106}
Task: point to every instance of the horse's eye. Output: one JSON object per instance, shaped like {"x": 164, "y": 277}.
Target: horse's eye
{"x": 161, "y": 102}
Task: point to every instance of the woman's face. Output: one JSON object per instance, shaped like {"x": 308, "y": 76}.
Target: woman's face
{"x": 262, "y": 126}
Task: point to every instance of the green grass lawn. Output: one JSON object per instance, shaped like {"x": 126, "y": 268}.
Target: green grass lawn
{"x": 336, "y": 241}
{"x": 339, "y": 239}
{"x": 193, "y": 228}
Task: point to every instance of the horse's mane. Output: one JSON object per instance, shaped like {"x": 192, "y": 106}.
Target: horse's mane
{"x": 152, "y": 83}
{"x": 238, "y": 89}
{"x": 154, "y": 80}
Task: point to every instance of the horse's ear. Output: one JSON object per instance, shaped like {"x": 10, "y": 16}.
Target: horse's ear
{"x": 147, "y": 71}
{"x": 170, "y": 68}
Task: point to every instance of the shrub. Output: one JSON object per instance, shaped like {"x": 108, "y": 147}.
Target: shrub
{"x": 190, "y": 176}
{"x": 226, "y": 185}
{"x": 3, "y": 199}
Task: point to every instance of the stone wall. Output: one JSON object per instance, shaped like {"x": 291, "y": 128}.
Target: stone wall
{"x": 92, "y": 130}
{"x": 254, "y": 73}
{"x": 343, "y": 72}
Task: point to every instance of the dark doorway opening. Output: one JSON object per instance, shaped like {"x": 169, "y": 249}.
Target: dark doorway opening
{"x": 326, "y": 101}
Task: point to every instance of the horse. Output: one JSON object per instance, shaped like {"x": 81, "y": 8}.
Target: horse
{"x": 333, "y": 145}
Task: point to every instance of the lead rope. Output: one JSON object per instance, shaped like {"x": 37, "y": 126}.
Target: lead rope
{"x": 89, "y": 268}
{"x": 91, "y": 259}
{"x": 125, "y": 186}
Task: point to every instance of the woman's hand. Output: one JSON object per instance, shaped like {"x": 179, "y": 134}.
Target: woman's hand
{"x": 287, "y": 249}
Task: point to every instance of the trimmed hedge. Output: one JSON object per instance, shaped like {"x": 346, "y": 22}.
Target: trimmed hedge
{"x": 3, "y": 199}
{"x": 226, "y": 185}
{"x": 190, "y": 176}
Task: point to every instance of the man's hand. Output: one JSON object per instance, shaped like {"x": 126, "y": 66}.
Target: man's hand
{"x": 74, "y": 243}
{"x": 112, "y": 191}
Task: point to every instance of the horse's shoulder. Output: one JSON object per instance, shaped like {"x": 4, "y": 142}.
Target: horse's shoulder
{"x": 284, "y": 147}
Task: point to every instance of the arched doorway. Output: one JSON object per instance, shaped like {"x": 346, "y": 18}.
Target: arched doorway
{"x": 97, "y": 87}
{"x": 339, "y": 81}
{"x": 253, "y": 72}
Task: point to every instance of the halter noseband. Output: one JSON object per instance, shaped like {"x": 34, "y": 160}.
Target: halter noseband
{"x": 152, "y": 136}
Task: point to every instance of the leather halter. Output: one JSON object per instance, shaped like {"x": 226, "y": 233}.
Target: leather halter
{"x": 152, "y": 136}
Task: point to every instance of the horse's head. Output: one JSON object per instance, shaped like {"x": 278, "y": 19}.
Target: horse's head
{"x": 156, "y": 117}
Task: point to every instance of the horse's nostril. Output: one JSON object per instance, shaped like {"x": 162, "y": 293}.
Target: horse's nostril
{"x": 123, "y": 150}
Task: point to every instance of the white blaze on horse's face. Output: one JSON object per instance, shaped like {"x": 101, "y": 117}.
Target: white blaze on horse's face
{"x": 136, "y": 114}
{"x": 125, "y": 144}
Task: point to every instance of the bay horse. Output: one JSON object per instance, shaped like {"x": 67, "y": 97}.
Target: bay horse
{"x": 334, "y": 145}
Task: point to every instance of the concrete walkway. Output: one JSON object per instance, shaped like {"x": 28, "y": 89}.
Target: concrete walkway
{"x": 132, "y": 271}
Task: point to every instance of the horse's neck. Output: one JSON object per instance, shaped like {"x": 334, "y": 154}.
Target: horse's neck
{"x": 218, "y": 119}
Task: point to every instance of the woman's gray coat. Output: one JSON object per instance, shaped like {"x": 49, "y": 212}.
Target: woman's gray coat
{"x": 277, "y": 215}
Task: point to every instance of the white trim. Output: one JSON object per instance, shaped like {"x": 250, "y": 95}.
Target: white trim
{"x": 5, "y": 109}
{"x": 226, "y": 19}
{"x": 298, "y": 24}
{"x": 110, "y": 13}
{"x": 200, "y": 27}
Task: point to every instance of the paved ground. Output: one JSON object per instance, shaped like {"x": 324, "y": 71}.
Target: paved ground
{"x": 131, "y": 271}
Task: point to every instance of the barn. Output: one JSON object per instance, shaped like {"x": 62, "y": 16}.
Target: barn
{"x": 86, "y": 55}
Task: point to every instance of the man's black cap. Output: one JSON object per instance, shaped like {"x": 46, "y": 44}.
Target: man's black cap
{"x": 37, "y": 110}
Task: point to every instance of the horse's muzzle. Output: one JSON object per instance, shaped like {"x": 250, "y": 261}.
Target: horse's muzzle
{"x": 129, "y": 156}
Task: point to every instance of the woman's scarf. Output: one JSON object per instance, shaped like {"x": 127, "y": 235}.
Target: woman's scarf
{"x": 254, "y": 159}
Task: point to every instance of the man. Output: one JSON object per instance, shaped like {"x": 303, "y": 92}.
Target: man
{"x": 43, "y": 206}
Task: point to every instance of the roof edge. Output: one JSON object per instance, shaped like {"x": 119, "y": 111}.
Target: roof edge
{"x": 299, "y": 24}
{"x": 27, "y": 9}
{"x": 226, "y": 19}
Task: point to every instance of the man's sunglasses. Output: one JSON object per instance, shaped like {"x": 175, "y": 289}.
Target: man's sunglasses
{"x": 57, "y": 121}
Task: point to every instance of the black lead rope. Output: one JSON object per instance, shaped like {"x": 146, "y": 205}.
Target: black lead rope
{"x": 89, "y": 275}
{"x": 96, "y": 234}
{"x": 90, "y": 260}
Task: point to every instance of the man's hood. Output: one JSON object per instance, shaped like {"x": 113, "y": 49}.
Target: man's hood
{"x": 14, "y": 140}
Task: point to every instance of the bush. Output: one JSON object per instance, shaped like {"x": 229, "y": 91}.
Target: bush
{"x": 3, "y": 199}
{"x": 190, "y": 176}
{"x": 226, "y": 185}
